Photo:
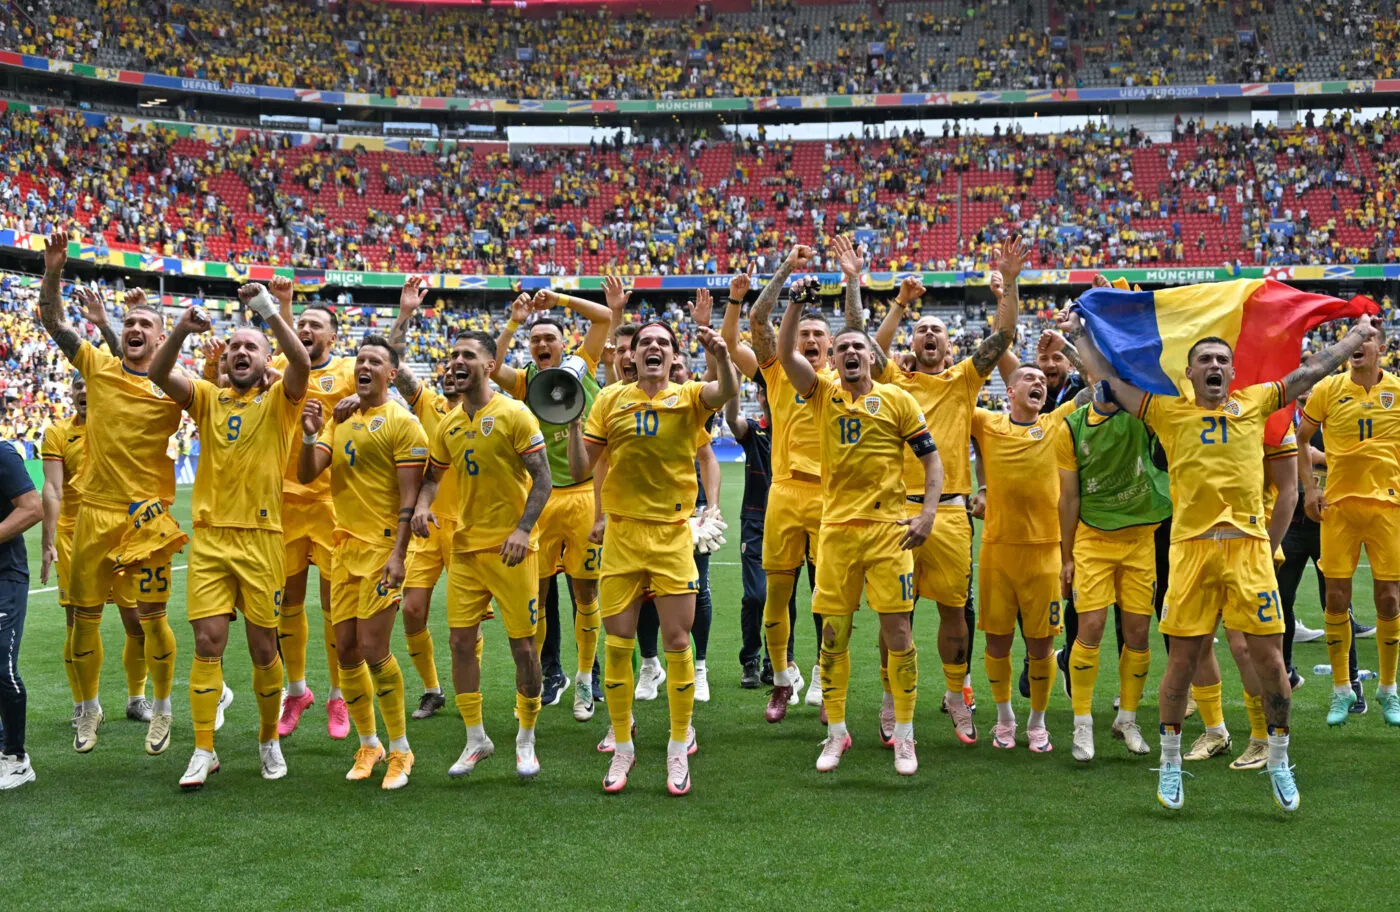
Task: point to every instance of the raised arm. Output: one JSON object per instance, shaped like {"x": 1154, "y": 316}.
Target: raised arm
{"x": 314, "y": 458}
{"x": 95, "y": 312}
{"x": 910, "y": 290}
{"x": 735, "y": 419}
{"x": 515, "y": 548}
{"x": 1096, "y": 365}
{"x": 51, "y": 297}
{"x": 53, "y": 504}
{"x": 1313, "y": 500}
{"x": 741, "y": 354}
{"x": 1003, "y": 285}
{"x": 765, "y": 346}
{"x": 162, "y": 370}
{"x": 852, "y": 265}
{"x": 598, "y": 316}
{"x": 504, "y": 374}
{"x": 265, "y": 303}
{"x": 415, "y": 288}
{"x": 725, "y": 386}
{"x": 1329, "y": 359}
{"x": 799, "y": 370}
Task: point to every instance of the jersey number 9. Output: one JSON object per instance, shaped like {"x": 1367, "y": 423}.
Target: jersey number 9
{"x": 235, "y": 426}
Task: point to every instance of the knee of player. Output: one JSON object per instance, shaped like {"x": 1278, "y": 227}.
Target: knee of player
{"x": 462, "y": 641}
{"x": 1387, "y": 598}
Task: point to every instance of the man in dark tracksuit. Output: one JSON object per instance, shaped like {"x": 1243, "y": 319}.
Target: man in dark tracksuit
{"x": 20, "y": 508}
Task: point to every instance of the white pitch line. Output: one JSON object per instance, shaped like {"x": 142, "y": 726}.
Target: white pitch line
{"x": 55, "y": 588}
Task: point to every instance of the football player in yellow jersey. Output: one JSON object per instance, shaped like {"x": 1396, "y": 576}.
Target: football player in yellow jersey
{"x": 792, "y": 521}
{"x": 308, "y": 522}
{"x": 568, "y": 518}
{"x": 123, "y": 536}
{"x": 64, "y": 451}
{"x": 236, "y": 558}
{"x": 494, "y": 445}
{"x": 866, "y": 535}
{"x": 648, "y": 430}
{"x": 376, "y": 459}
{"x": 1360, "y": 420}
{"x": 1018, "y": 573}
{"x": 1221, "y": 562}
{"x": 947, "y": 396}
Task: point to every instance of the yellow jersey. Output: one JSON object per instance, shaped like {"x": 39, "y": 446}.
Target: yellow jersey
{"x": 430, "y": 407}
{"x": 796, "y": 444}
{"x": 1215, "y": 458}
{"x": 366, "y": 453}
{"x": 129, "y": 429}
{"x": 651, "y": 443}
{"x": 242, "y": 437}
{"x": 863, "y": 439}
{"x": 1361, "y": 434}
{"x": 1023, "y": 479}
{"x": 484, "y": 450}
{"x": 329, "y": 383}
{"x": 946, "y": 400}
{"x": 65, "y": 441}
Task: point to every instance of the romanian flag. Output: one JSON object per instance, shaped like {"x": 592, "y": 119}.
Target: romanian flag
{"x": 1145, "y": 335}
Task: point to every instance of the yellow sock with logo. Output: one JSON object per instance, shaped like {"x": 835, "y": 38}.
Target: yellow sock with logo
{"x": 134, "y": 664}
{"x": 680, "y": 690}
{"x": 1254, "y": 708}
{"x": 586, "y": 627}
{"x": 1338, "y": 632}
{"x": 160, "y": 654}
{"x": 835, "y": 661}
{"x": 777, "y": 627}
{"x": 618, "y": 682}
{"x": 1083, "y": 675}
{"x": 527, "y": 710}
{"x": 74, "y": 685}
{"x": 1132, "y": 677}
{"x": 358, "y": 688}
{"x": 388, "y": 688}
{"x": 206, "y": 686}
{"x": 332, "y": 658}
{"x": 293, "y": 633}
{"x": 87, "y": 652}
{"x": 1387, "y": 649}
{"x": 953, "y": 677}
{"x": 420, "y": 650}
{"x": 1042, "y": 675}
{"x": 904, "y": 676}
{"x": 1208, "y": 704}
{"x": 469, "y": 705}
{"x": 267, "y": 687}
{"x": 998, "y": 676}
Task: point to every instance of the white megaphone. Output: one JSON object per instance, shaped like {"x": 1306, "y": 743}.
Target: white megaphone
{"x": 555, "y": 394}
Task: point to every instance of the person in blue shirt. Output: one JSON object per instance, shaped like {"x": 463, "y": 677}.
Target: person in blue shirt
{"x": 20, "y": 508}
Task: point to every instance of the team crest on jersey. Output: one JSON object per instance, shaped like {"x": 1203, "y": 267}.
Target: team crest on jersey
{"x": 670, "y": 401}
{"x": 326, "y": 382}
{"x": 1386, "y": 400}
{"x": 376, "y": 423}
{"x": 1035, "y": 432}
{"x": 872, "y": 404}
{"x": 159, "y": 393}
{"x": 1232, "y": 408}
{"x": 487, "y": 424}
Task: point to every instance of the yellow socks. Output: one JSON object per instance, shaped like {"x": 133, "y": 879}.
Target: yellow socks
{"x": 160, "y": 655}
{"x": 420, "y": 650}
{"x": 1338, "y": 629}
{"x": 1387, "y": 649}
{"x": 388, "y": 687}
{"x": 953, "y": 677}
{"x": 332, "y": 659}
{"x": 206, "y": 686}
{"x": 1208, "y": 704}
{"x": 904, "y": 676}
{"x": 293, "y": 632}
{"x": 74, "y": 684}
{"x": 134, "y": 664}
{"x": 1042, "y": 677}
{"x": 527, "y": 709}
{"x": 618, "y": 683}
{"x": 87, "y": 651}
{"x": 835, "y": 661}
{"x": 1083, "y": 674}
{"x": 1132, "y": 677}
{"x": 267, "y": 688}
{"x": 680, "y": 691}
{"x": 1254, "y": 708}
{"x": 777, "y": 628}
{"x": 469, "y": 705}
{"x": 358, "y": 688}
{"x": 998, "y": 676}
{"x": 586, "y": 627}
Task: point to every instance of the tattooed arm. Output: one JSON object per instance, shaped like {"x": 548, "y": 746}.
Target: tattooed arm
{"x": 851, "y": 267}
{"x": 1328, "y": 360}
{"x": 515, "y": 548}
{"x": 51, "y": 298}
{"x": 1003, "y": 283}
{"x": 765, "y": 342}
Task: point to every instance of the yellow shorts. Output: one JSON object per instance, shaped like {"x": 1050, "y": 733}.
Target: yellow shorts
{"x": 564, "y": 526}
{"x": 1115, "y": 568}
{"x": 1233, "y": 577}
{"x": 641, "y": 556}
{"x": 475, "y": 577}
{"x": 1019, "y": 580}
{"x": 792, "y": 521}
{"x": 864, "y": 556}
{"x": 429, "y": 557}
{"x": 1347, "y": 525}
{"x": 122, "y": 554}
{"x": 943, "y": 563}
{"x": 356, "y": 594}
{"x": 308, "y": 532}
{"x": 234, "y": 570}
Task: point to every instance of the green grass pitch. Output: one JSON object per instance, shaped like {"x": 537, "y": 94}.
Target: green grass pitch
{"x": 976, "y": 828}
